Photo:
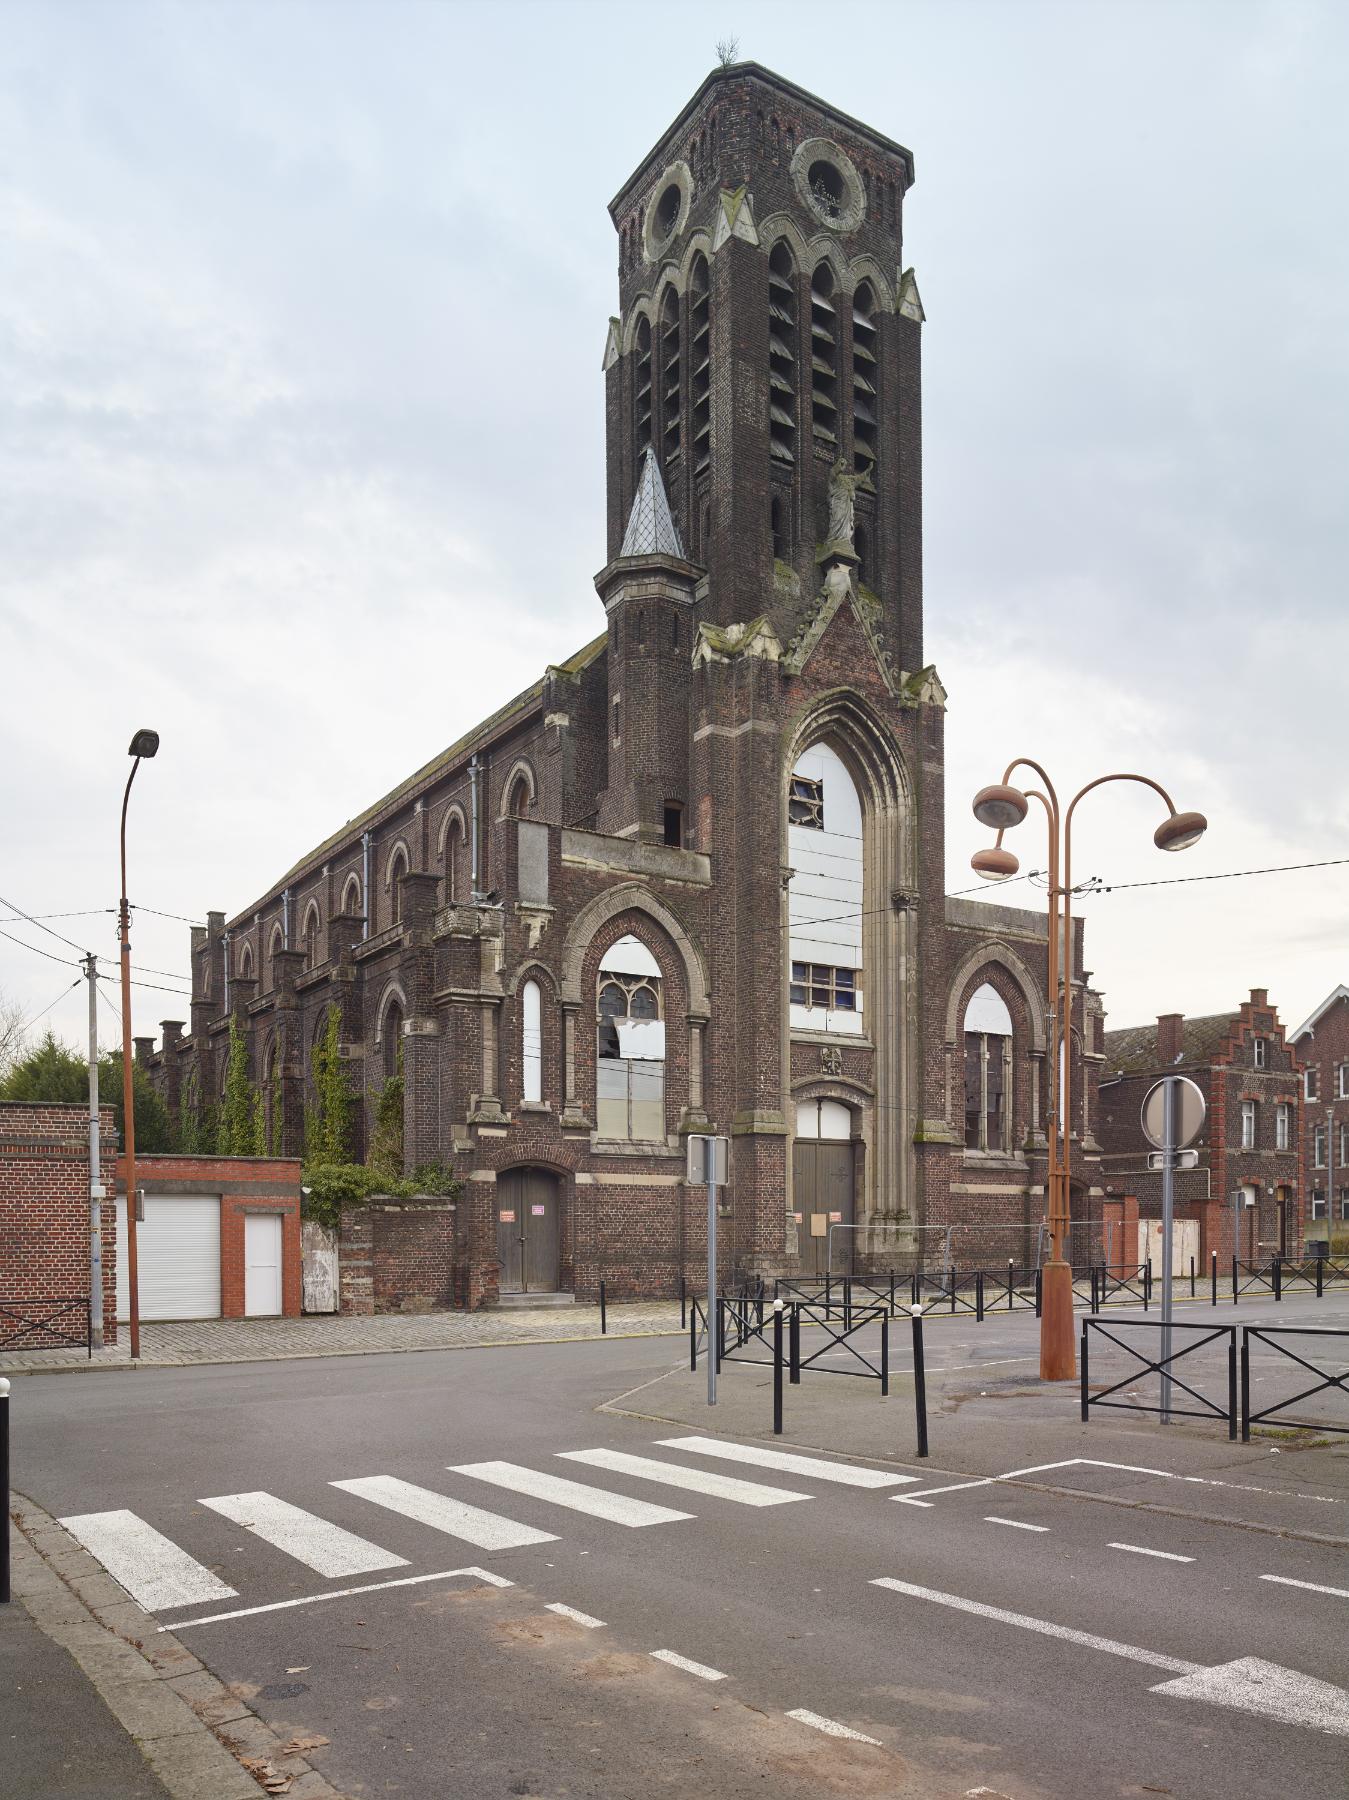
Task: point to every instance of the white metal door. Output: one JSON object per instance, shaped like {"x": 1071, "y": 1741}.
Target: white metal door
{"x": 1184, "y": 1245}
{"x": 262, "y": 1265}
{"x": 177, "y": 1256}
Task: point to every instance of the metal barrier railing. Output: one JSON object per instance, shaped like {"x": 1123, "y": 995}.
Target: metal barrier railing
{"x": 33, "y": 1327}
{"x": 1266, "y": 1335}
{"x": 1094, "y": 1330}
{"x": 1133, "y": 1281}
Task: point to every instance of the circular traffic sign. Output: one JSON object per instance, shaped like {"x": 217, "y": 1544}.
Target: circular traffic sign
{"x": 1189, "y": 1114}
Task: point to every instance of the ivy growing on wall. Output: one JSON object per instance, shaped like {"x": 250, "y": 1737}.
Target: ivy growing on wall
{"x": 243, "y": 1125}
{"x": 328, "y": 1122}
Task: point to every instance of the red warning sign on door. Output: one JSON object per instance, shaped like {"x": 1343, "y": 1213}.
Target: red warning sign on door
{"x": 508, "y": 1218}
{"x": 836, "y": 1218}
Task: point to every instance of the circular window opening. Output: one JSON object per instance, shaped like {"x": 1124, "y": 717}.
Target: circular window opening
{"x": 667, "y": 210}
{"x": 826, "y": 187}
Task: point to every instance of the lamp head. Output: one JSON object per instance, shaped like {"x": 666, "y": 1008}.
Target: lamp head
{"x": 1180, "y": 831}
{"x": 145, "y": 743}
{"x": 1000, "y": 807}
{"x": 994, "y": 865}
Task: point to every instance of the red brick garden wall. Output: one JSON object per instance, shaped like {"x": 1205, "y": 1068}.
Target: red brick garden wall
{"x": 44, "y": 1222}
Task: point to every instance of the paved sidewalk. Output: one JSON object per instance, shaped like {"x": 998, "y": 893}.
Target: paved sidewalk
{"x": 267, "y": 1340}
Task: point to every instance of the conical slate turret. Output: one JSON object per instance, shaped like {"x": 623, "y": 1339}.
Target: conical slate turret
{"x": 651, "y": 530}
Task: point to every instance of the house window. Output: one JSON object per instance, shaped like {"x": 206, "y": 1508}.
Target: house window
{"x": 1259, "y": 1049}
{"x": 1281, "y": 1118}
{"x": 1318, "y": 1203}
{"x": 531, "y": 1041}
{"x": 1248, "y": 1124}
{"x": 822, "y": 985}
{"x": 1344, "y": 1203}
{"x": 1342, "y": 1081}
{"x": 988, "y": 1044}
{"x": 630, "y": 1045}
{"x": 1319, "y": 1147}
{"x": 1344, "y": 1146}
{"x": 806, "y": 805}
{"x": 1311, "y": 1083}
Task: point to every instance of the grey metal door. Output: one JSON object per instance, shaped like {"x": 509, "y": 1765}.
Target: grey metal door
{"x": 527, "y": 1231}
{"x": 823, "y": 1189}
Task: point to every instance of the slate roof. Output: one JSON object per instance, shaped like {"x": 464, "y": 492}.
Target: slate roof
{"x": 1133, "y": 1049}
{"x": 651, "y": 531}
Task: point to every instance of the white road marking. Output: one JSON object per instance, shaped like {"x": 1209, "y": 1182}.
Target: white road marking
{"x": 1247, "y": 1684}
{"x": 830, "y": 1727}
{"x": 570, "y": 1612}
{"x": 152, "y": 1569}
{"x": 1016, "y": 1524}
{"x": 598, "y": 1502}
{"x": 814, "y": 1468}
{"x": 319, "y": 1545}
{"x": 1087, "y": 1639}
{"x": 1314, "y": 1587}
{"x": 370, "y": 1587}
{"x": 489, "y": 1530}
{"x": 1091, "y": 1462}
{"x": 698, "y": 1481}
{"x": 701, "y": 1670}
{"x": 1142, "y": 1550}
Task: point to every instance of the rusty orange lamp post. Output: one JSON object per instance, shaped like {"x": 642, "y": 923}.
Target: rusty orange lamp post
{"x": 145, "y": 743}
{"x": 1002, "y": 807}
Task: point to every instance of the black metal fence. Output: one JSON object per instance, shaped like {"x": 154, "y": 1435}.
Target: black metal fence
{"x": 1265, "y": 1337}
{"x": 1141, "y": 1366}
{"x": 46, "y": 1325}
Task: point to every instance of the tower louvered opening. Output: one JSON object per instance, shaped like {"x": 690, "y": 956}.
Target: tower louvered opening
{"x": 671, "y": 422}
{"x": 700, "y": 358}
{"x": 782, "y": 339}
{"x": 642, "y": 390}
{"x": 823, "y": 356}
{"x": 865, "y": 380}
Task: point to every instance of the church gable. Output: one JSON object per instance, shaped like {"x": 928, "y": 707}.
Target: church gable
{"x": 844, "y": 631}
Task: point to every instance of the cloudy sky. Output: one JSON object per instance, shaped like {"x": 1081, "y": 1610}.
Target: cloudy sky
{"x": 301, "y": 315}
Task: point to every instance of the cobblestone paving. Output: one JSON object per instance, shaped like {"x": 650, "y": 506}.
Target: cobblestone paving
{"x": 266, "y": 1340}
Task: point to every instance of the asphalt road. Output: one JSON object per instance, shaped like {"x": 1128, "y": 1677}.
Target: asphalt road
{"x": 999, "y": 1638}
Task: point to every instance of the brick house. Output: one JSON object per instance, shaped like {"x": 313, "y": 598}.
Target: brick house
{"x": 44, "y": 1223}
{"x": 1322, "y": 1044}
{"x": 693, "y": 877}
{"x": 1245, "y": 1190}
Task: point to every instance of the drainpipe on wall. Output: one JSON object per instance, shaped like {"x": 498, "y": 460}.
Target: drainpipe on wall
{"x": 285, "y": 917}
{"x": 225, "y": 956}
{"x": 365, "y": 884}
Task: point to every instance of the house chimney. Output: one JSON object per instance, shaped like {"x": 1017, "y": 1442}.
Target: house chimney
{"x": 1259, "y": 996}
{"x": 1170, "y": 1026}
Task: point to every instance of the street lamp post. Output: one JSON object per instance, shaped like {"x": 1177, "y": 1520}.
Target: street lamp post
{"x": 1002, "y": 807}
{"x": 144, "y": 744}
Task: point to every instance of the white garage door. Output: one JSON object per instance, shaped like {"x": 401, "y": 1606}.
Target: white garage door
{"x": 177, "y": 1255}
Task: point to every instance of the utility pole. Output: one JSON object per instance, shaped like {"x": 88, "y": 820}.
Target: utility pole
{"x": 97, "y": 1194}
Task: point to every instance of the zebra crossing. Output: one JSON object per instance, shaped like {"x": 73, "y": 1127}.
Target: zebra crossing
{"x": 162, "y": 1576}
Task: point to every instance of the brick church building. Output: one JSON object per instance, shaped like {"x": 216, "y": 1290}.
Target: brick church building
{"x": 693, "y": 877}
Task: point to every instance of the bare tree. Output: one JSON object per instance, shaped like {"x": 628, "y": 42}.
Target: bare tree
{"x": 11, "y": 1033}
{"x": 728, "y": 49}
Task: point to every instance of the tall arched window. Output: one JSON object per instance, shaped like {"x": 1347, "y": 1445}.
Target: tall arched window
{"x": 865, "y": 380}
{"x": 988, "y": 1069}
{"x": 398, "y": 867}
{"x": 310, "y": 937}
{"x": 531, "y": 1041}
{"x": 700, "y": 363}
{"x": 630, "y": 1044}
{"x": 391, "y": 1034}
{"x": 244, "y": 971}
{"x": 823, "y": 355}
{"x": 517, "y": 806}
{"x": 641, "y": 374}
{"x": 455, "y": 876}
{"x": 824, "y": 900}
{"x": 782, "y": 354}
{"x": 669, "y": 381}
{"x": 351, "y": 896}
{"x": 276, "y": 942}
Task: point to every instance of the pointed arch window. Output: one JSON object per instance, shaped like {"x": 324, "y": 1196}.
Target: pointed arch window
{"x": 988, "y": 1064}
{"x": 630, "y": 1044}
{"x": 311, "y": 938}
{"x": 642, "y": 390}
{"x": 782, "y": 353}
{"x": 865, "y": 380}
{"x": 398, "y": 867}
{"x": 700, "y": 363}
{"x": 392, "y": 1035}
{"x": 454, "y": 858}
{"x": 245, "y": 972}
{"x": 276, "y": 942}
{"x": 823, "y": 355}
{"x": 825, "y": 896}
{"x": 531, "y": 1041}
{"x": 351, "y": 896}
{"x": 669, "y": 380}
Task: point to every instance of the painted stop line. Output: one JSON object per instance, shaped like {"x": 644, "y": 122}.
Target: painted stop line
{"x": 1248, "y": 1684}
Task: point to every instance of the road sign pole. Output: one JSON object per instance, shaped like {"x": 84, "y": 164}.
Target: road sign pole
{"x": 710, "y": 1172}
{"x": 1169, "y": 1133}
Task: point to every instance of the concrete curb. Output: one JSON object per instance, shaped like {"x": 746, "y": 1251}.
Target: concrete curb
{"x": 191, "y": 1730}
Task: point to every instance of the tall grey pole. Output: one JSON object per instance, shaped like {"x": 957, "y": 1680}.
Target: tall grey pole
{"x": 713, "y": 1308}
{"x": 1330, "y": 1169}
{"x": 1169, "y": 1097}
{"x": 96, "y": 1193}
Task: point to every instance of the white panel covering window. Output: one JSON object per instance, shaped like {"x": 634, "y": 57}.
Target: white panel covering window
{"x": 824, "y": 848}
{"x": 630, "y": 1045}
{"x": 988, "y": 1055}
{"x": 823, "y": 1119}
{"x": 531, "y": 1040}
